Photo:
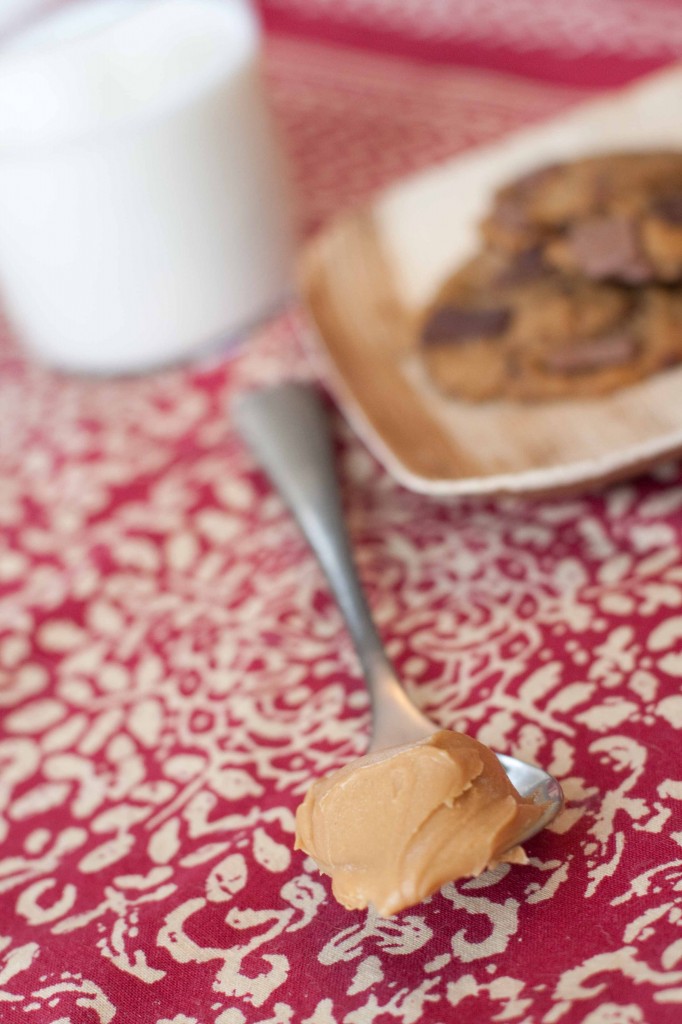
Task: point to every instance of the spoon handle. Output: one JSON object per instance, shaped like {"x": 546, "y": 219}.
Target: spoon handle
{"x": 288, "y": 431}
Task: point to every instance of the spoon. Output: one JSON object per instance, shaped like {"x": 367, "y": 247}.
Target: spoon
{"x": 287, "y": 429}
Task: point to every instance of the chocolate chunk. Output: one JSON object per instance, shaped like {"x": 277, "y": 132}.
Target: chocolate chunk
{"x": 669, "y": 209}
{"x": 594, "y": 354}
{"x": 606, "y": 247}
{"x": 527, "y": 266}
{"x": 456, "y": 323}
{"x": 510, "y": 206}
{"x": 510, "y": 213}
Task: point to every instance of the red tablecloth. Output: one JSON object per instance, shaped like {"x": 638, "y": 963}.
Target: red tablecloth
{"x": 174, "y": 673}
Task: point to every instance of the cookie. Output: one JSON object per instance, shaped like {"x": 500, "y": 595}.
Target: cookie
{"x": 613, "y": 217}
{"x": 508, "y": 327}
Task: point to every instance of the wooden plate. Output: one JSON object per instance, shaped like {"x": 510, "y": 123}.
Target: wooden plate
{"x": 367, "y": 275}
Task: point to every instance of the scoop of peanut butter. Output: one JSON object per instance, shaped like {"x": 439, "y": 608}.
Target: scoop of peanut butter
{"x": 393, "y": 827}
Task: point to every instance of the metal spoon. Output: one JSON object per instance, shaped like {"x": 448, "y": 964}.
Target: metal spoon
{"x": 288, "y": 431}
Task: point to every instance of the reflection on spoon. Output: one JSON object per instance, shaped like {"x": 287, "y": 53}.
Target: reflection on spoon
{"x": 425, "y": 806}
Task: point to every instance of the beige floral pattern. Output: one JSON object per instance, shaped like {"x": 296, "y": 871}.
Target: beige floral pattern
{"x": 173, "y": 673}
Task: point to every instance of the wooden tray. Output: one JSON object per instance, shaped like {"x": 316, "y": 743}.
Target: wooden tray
{"x": 366, "y": 276}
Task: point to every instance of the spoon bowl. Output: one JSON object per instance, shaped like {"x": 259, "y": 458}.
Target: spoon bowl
{"x": 287, "y": 429}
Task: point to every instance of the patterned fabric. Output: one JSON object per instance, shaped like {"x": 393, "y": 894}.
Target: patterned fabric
{"x": 603, "y": 42}
{"x": 174, "y": 674}
{"x": 573, "y": 29}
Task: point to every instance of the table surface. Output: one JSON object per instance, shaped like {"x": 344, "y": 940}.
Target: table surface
{"x": 174, "y": 672}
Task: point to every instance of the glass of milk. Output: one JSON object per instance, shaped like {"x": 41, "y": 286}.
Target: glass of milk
{"x": 144, "y": 209}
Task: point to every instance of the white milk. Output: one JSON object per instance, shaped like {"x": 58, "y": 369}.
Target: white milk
{"x": 143, "y": 210}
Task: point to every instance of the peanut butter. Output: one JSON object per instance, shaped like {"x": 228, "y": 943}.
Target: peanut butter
{"x": 393, "y": 827}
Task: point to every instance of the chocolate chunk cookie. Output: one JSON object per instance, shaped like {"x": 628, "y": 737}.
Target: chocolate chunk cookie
{"x": 508, "y": 327}
{"x": 614, "y": 217}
